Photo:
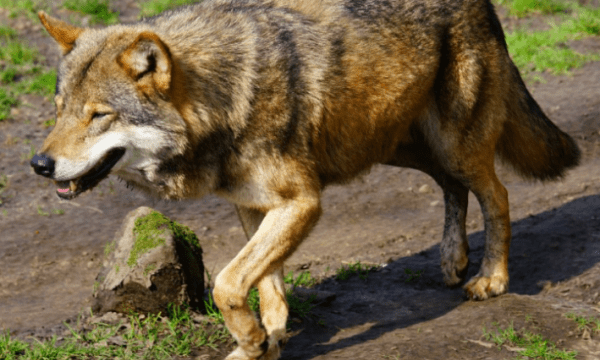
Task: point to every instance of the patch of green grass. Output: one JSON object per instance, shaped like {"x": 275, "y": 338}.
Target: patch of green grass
{"x": 42, "y": 84}
{"x": 362, "y": 270}
{"x": 154, "y": 7}
{"x": 42, "y": 212}
{"x": 533, "y": 345}
{"x": 300, "y": 307}
{"x": 297, "y": 306}
{"x": 26, "y": 7}
{"x": 254, "y": 300}
{"x": 16, "y": 52}
{"x": 11, "y": 349}
{"x": 7, "y": 32}
{"x": 141, "y": 337}
{"x": 3, "y": 186}
{"x": 548, "y": 50}
{"x": 590, "y": 323}
{"x": 214, "y": 315}
{"x": 412, "y": 275}
{"x": 521, "y": 8}
{"x": 19, "y": 73}
{"x": 303, "y": 279}
{"x": 98, "y": 9}
{"x": 7, "y": 100}
{"x": 585, "y": 21}
{"x": 50, "y": 122}
{"x": 154, "y": 338}
{"x": 109, "y": 247}
{"x": 541, "y": 51}
{"x": 8, "y": 75}
{"x": 58, "y": 211}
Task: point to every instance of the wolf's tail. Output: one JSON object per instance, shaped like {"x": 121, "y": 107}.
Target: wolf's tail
{"x": 530, "y": 142}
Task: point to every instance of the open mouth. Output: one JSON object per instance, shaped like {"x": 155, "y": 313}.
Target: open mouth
{"x": 70, "y": 189}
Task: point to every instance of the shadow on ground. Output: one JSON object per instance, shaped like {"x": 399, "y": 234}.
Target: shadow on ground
{"x": 547, "y": 248}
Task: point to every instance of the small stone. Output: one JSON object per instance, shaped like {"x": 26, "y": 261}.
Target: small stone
{"x": 116, "y": 340}
{"x": 425, "y": 189}
{"x": 586, "y": 335}
{"x": 101, "y": 344}
{"x": 434, "y": 203}
{"x": 198, "y": 318}
{"x": 319, "y": 297}
{"x": 108, "y": 318}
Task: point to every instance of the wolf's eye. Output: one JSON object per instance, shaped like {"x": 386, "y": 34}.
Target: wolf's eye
{"x": 99, "y": 115}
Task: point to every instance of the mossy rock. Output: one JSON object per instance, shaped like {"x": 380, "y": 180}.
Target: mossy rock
{"x": 152, "y": 262}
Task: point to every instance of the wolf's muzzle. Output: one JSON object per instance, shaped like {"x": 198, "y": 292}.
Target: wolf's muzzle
{"x": 43, "y": 165}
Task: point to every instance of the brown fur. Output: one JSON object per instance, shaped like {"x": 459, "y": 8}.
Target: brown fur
{"x": 265, "y": 102}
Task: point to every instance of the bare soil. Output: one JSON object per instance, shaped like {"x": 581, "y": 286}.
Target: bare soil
{"x": 48, "y": 263}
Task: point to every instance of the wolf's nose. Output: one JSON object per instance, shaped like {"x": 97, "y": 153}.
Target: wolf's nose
{"x": 43, "y": 165}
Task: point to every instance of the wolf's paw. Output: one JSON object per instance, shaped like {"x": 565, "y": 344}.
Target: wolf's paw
{"x": 238, "y": 354}
{"x": 483, "y": 287}
{"x": 273, "y": 352}
{"x": 455, "y": 270}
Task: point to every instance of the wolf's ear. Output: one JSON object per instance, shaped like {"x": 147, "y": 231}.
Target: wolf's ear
{"x": 148, "y": 58}
{"x": 64, "y": 34}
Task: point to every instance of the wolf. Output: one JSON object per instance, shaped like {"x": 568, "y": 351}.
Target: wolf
{"x": 266, "y": 102}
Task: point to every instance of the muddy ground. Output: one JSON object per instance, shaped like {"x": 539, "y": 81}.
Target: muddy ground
{"x": 48, "y": 263}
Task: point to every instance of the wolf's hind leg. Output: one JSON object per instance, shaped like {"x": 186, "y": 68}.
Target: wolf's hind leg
{"x": 454, "y": 249}
{"x": 492, "y": 278}
{"x": 475, "y": 169}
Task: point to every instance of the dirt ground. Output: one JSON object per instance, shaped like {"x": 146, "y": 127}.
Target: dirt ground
{"x": 48, "y": 263}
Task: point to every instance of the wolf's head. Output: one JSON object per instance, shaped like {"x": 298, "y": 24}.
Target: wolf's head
{"x": 116, "y": 108}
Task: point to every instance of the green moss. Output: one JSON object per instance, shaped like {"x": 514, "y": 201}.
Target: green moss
{"x": 149, "y": 268}
{"x": 148, "y": 230}
{"x": 183, "y": 232}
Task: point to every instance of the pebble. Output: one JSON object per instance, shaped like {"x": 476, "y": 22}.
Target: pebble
{"x": 425, "y": 189}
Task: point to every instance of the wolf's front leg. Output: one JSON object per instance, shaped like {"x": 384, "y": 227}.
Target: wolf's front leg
{"x": 260, "y": 263}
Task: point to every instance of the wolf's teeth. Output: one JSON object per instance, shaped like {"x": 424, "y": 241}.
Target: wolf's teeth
{"x": 72, "y": 186}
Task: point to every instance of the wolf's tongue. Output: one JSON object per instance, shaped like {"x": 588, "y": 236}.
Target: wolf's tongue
{"x": 66, "y": 186}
